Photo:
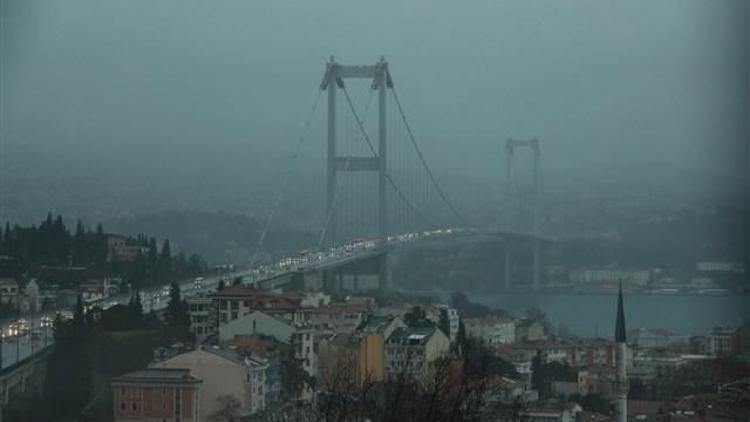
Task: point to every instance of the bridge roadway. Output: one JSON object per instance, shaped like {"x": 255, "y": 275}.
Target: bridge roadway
{"x": 14, "y": 348}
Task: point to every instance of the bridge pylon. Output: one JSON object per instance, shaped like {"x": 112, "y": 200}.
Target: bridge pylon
{"x": 333, "y": 80}
{"x": 513, "y": 198}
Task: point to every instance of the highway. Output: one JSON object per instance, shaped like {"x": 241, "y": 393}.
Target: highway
{"x": 16, "y": 340}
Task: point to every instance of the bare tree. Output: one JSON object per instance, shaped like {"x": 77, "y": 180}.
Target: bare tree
{"x": 227, "y": 409}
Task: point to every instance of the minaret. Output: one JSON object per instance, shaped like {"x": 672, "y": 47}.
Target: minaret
{"x": 621, "y": 378}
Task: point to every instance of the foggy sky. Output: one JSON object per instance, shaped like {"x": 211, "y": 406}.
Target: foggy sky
{"x": 602, "y": 84}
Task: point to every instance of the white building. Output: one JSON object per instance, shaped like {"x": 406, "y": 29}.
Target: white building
{"x": 202, "y": 316}
{"x": 303, "y": 341}
{"x": 611, "y": 275}
{"x": 411, "y": 351}
{"x": 257, "y": 381}
{"x": 491, "y": 330}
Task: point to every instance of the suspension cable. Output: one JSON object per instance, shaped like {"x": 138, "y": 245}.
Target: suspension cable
{"x": 424, "y": 162}
{"x": 329, "y": 213}
{"x": 285, "y": 179}
{"x": 366, "y": 137}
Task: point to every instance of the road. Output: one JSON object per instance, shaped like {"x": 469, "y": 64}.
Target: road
{"x": 18, "y": 347}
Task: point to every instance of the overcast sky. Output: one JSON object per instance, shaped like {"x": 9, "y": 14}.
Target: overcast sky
{"x": 598, "y": 82}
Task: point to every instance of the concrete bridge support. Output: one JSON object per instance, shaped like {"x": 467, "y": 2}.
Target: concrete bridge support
{"x": 23, "y": 377}
{"x": 384, "y": 272}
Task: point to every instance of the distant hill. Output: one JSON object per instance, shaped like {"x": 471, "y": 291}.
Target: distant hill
{"x": 217, "y": 236}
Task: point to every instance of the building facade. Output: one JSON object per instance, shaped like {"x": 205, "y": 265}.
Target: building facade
{"x": 412, "y": 351}
{"x": 168, "y": 395}
{"x": 224, "y": 373}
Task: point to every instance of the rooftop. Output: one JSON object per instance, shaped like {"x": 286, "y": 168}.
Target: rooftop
{"x": 244, "y": 291}
{"x": 161, "y": 375}
{"x": 411, "y": 336}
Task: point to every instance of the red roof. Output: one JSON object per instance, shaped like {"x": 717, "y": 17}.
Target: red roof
{"x": 244, "y": 291}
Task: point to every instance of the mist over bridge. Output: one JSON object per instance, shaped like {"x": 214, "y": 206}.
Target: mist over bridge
{"x": 378, "y": 186}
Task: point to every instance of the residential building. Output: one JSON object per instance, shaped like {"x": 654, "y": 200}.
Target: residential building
{"x": 341, "y": 317}
{"x": 202, "y": 316}
{"x": 491, "y": 330}
{"x": 550, "y": 412}
{"x": 171, "y": 395}
{"x": 411, "y": 351}
{"x": 370, "y": 338}
{"x": 651, "y": 338}
{"x": 258, "y": 323}
{"x": 123, "y": 249}
{"x": 586, "y": 352}
{"x": 8, "y": 290}
{"x": 528, "y": 331}
{"x": 611, "y": 275}
{"x": 722, "y": 341}
{"x": 239, "y": 300}
{"x": 315, "y": 299}
{"x": 224, "y": 373}
{"x": 303, "y": 341}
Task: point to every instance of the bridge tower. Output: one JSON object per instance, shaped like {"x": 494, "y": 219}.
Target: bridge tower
{"x": 513, "y": 198}
{"x": 333, "y": 80}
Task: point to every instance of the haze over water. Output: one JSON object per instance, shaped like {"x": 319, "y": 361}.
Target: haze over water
{"x": 591, "y": 315}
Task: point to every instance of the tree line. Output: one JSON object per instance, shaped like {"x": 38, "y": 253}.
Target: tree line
{"x": 52, "y": 243}
{"x": 91, "y": 348}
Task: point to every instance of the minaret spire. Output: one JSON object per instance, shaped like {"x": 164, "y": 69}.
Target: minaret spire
{"x": 621, "y": 376}
{"x": 620, "y": 336}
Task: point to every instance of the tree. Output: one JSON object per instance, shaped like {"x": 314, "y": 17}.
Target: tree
{"x": 537, "y": 377}
{"x": 461, "y": 339}
{"x": 222, "y": 285}
{"x": 535, "y": 314}
{"x": 416, "y": 318}
{"x": 166, "y": 250}
{"x": 176, "y": 314}
{"x": 227, "y": 409}
{"x": 444, "y": 323}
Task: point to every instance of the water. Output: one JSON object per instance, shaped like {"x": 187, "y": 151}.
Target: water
{"x": 592, "y": 315}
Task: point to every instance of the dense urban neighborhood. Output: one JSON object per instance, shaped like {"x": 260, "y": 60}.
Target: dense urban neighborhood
{"x": 220, "y": 348}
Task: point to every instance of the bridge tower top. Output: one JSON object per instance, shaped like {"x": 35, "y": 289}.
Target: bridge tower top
{"x": 333, "y": 80}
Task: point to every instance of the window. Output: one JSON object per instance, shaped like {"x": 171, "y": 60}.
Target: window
{"x": 177, "y": 405}
{"x": 123, "y": 391}
{"x": 122, "y": 406}
{"x": 134, "y": 406}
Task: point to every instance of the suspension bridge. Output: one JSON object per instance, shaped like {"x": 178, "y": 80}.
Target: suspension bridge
{"x": 381, "y": 194}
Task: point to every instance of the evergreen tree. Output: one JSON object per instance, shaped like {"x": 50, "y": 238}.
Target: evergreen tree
{"x": 416, "y": 317}
{"x": 461, "y": 338}
{"x": 176, "y": 314}
{"x": 135, "y": 310}
{"x": 79, "y": 245}
{"x": 78, "y": 316}
{"x": 222, "y": 285}
{"x": 166, "y": 250}
{"x": 537, "y": 378}
{"x": 444, "y": 324}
